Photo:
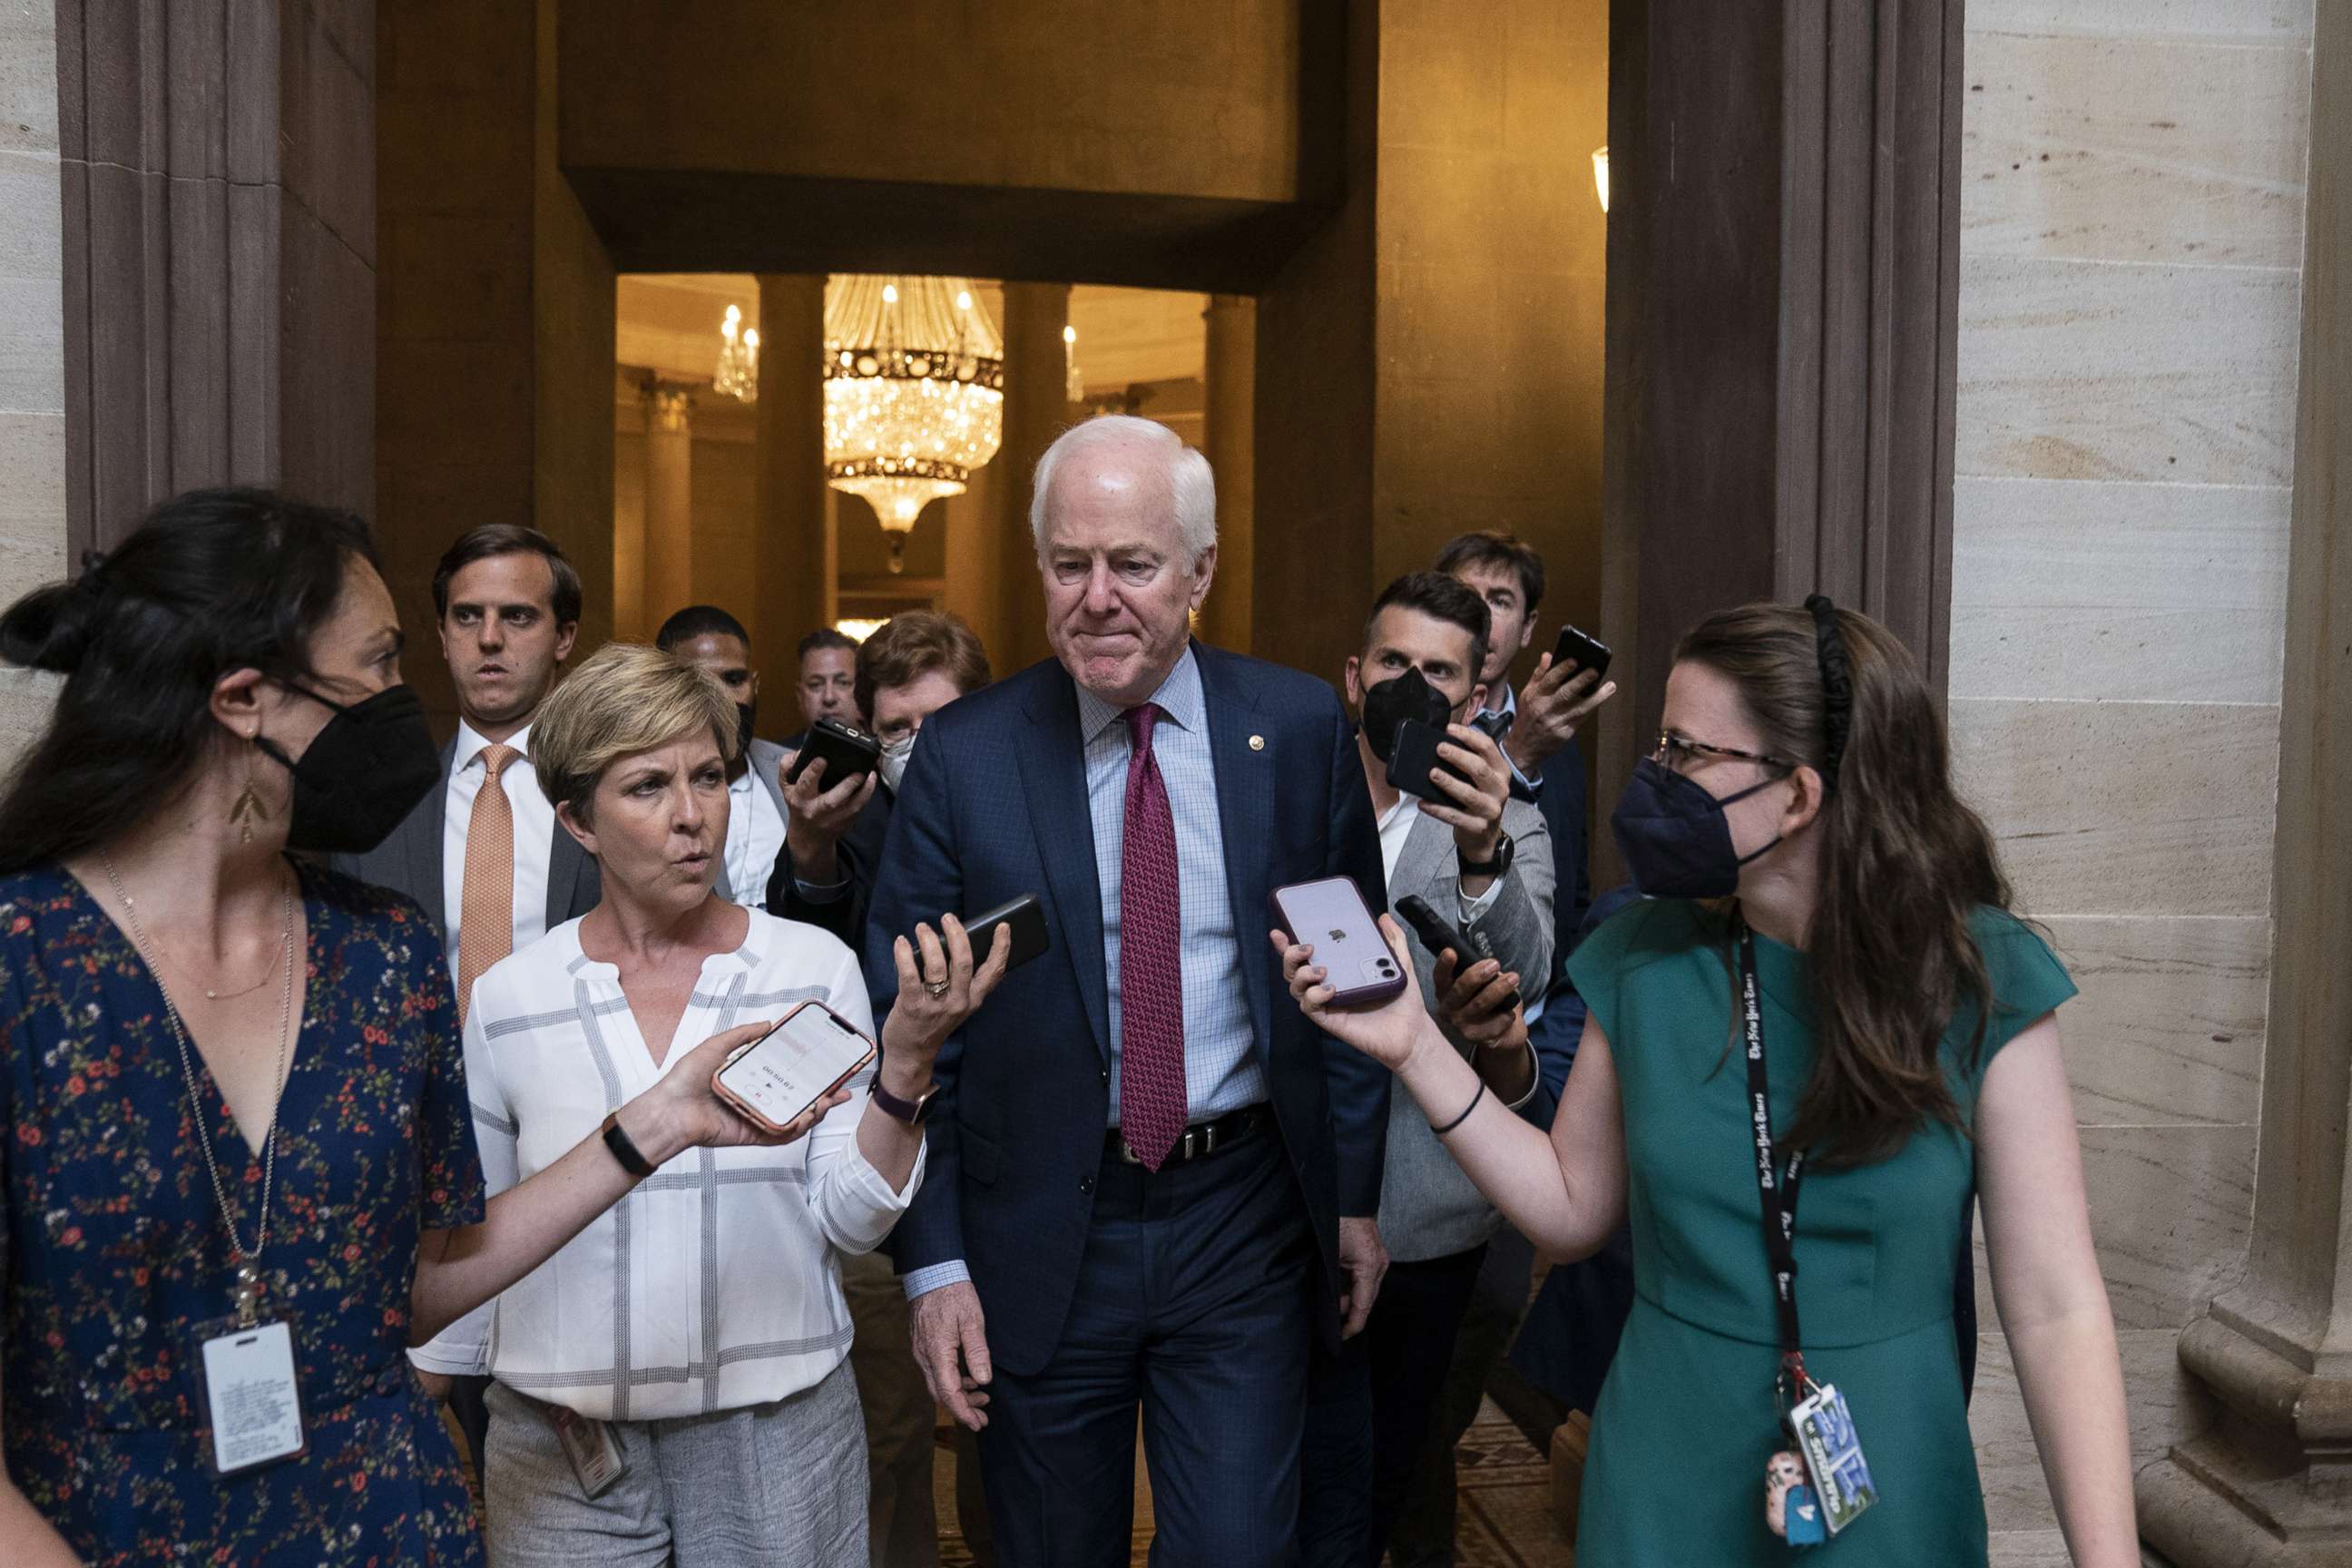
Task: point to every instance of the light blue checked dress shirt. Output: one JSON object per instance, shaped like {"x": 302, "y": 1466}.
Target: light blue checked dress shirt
{"x": 1222, "y": 1071}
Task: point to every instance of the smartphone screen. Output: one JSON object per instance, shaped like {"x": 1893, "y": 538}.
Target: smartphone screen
{"x": 792, "y": 1066}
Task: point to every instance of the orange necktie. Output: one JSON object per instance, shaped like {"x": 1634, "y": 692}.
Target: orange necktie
{"x": 486, "y": 907}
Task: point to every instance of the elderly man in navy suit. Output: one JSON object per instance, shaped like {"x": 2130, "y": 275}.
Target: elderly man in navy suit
{"x": 1152, "y": 1183}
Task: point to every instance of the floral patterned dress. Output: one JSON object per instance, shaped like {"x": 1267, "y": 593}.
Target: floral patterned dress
{"x": 111, "y": 1249}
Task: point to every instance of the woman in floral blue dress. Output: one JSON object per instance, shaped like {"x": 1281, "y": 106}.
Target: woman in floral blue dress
{"x": 231, "y": 1082}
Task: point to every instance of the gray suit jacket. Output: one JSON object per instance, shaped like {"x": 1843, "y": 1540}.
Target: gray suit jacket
{"x": 1428, "y": 1208}
{"x": 409, "y": 861}
{"x": 767, "y": 758}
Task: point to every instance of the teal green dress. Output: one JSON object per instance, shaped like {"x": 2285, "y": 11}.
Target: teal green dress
{"x": 1687, "y": 1418}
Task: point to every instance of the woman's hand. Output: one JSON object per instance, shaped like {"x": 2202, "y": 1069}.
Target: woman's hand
{"x": 683, "y": 1112}
{"x": 1389, "y": 1033}
{"x": 940, "y": 987}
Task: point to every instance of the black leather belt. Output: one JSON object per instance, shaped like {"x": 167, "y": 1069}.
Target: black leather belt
{"x": 1201, "y": 1138}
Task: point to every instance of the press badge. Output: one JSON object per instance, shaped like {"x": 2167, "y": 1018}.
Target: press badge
{"x": 1832, "y": 1451}
{"x": 594, "y": 1453}
{"x": 252, "y": 1394}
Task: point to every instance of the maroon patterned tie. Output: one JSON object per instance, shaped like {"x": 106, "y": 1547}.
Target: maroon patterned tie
{"x": 1151, "y": 1098}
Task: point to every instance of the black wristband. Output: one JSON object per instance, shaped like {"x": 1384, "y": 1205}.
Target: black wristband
{"x": 1467, "y": 1110}
{"x": 624, "y": 1150}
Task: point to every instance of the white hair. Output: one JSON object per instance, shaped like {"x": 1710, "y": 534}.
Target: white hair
{"x": 1191, "y": 494}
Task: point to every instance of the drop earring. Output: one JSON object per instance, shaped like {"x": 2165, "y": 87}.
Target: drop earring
{"x": 247, "y": 808}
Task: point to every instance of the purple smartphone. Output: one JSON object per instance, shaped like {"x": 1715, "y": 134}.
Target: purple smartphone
{"x": 1330, "y": 916}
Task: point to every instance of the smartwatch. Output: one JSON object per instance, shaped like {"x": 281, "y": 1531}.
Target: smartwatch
{"x": 1500, "y": 866}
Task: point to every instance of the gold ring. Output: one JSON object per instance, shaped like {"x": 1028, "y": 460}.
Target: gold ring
{"x": 937, "y": 988}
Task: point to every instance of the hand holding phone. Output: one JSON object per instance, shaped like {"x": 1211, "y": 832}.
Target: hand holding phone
{"x": 808, "y": 1053}
{"x": 1330, "y": 916}
{"x": 1414, "y": 764}
{"x": 848, "y": 752}
{"x": 1440, "y": 936}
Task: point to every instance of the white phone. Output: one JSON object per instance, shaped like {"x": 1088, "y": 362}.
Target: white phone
{"x": 810, "y": 1052}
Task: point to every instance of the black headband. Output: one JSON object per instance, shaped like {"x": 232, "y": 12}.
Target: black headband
{"x": 1837, "y": 686}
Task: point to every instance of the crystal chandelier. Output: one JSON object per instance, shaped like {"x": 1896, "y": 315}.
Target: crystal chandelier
{"x": 914, "y": 394}
{"x": 738, "y": 375}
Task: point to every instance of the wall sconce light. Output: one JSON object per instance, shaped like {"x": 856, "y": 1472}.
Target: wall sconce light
{"x": 1600, "y": 176}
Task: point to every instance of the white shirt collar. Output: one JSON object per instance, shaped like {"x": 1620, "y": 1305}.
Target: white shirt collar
{"x": 1179, "y": 698}
{"x": 470, "y": 744}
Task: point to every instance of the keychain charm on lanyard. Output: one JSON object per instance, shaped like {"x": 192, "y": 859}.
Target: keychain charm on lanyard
{"x": 1822, "y": 1484}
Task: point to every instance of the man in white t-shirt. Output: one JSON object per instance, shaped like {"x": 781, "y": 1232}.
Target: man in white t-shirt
{"x": 715, "y": 642}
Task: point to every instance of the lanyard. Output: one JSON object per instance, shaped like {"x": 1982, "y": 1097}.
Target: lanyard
{"x": 1776, "y": 1192}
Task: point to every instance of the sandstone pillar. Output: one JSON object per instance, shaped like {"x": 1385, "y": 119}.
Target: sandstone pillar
{"x": 1035, "y": 411}
{"x": 797, "y": 566}
{"x": 1229, "y": 439}
{"x": 2272, "y": 1483}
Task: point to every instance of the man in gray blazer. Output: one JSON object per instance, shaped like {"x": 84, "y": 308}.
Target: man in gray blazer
{"x": 507, "y": 604}
{"x": 715, "y": 642}
{"x": 1482, "y": 861}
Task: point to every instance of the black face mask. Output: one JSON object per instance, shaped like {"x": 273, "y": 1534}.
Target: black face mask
{"x": 1389, "y": 703}
{"x": 1675, "y": 837}
{"x": 362, "y": 774}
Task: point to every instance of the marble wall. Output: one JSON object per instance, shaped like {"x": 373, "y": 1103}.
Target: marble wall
{"x": 32, "y": 336}
{"x": 2133, "y": 212}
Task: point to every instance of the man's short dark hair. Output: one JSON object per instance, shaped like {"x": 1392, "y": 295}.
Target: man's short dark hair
{"x": 1440, "y": 597}
{"x": 824, "y": 636}
{"x": 1492, "y": 547}
{"x": 699, "y": 621}
{"x": 495, "y": 539}
{"x": 911, "y": 645}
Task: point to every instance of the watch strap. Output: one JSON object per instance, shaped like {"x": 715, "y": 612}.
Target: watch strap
{"x": 912, "y": 1111}
{"x": 1497, "y": 867}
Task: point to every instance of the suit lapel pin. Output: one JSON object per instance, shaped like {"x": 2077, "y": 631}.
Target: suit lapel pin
{"x": 1257, "y": 743}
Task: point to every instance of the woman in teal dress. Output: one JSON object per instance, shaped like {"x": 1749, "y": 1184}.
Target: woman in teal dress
{"x": 1798, "y": 806}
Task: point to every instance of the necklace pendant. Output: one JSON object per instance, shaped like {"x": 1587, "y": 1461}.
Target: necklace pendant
{"x": 249, "y": 1293}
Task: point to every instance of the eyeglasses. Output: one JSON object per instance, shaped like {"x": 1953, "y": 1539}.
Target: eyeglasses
{"x": 1677, "y": 754}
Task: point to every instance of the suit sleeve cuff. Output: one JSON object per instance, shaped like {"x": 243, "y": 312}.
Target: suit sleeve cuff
{"x": 923, "y": 1281}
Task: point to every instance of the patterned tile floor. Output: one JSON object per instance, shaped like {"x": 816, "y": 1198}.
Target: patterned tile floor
{"x": 1505, "y": 1522}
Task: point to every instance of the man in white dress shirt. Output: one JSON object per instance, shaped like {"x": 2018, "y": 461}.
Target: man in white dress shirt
{"x": 714, "y": 642}
{"x": 493, "y": 873}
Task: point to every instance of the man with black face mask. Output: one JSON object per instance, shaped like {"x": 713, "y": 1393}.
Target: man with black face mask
{"x": 715, "y": 643}
{"x": 1482, "y": 861}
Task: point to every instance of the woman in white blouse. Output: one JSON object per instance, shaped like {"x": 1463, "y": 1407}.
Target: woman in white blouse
{"x": 672, "y": 1386}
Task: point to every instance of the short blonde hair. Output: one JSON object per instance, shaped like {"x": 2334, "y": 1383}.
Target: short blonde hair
{"x": 627, "y": 699}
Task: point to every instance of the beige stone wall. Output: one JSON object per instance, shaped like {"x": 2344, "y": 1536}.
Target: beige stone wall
{"x": 32, "y": 336}
{"x": 2132, "y": 190}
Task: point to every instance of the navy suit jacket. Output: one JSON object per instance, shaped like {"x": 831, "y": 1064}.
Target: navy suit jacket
{"x": 993, "y": 804}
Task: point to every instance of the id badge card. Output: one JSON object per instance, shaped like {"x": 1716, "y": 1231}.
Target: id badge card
{"x": 595, "y": 1452}
{"x": 252, "y": 1394}
{"x": 1832, "y": 1451}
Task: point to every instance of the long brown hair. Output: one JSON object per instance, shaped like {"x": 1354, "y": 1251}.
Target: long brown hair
{"x": 1904, "y": 863}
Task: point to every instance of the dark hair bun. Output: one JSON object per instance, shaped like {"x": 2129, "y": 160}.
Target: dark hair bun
{"x": 48, "y": 628}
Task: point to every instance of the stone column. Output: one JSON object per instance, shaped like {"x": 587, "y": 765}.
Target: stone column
{"x": 219, "y": 204}
{"x": 669, "y": 501}
{"x": 1036, "y": 407}
{"x": 1229, "y": 438}
{"x": 797, "y": 571}
{"x": 2272, "y": 1483}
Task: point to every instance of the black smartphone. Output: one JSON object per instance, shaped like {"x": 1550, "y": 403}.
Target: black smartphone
{"x": 848, "y": 751}
{"x": 1415, "y": 761}
{"x": 1025, "y": 915}
{"x": 1437, "y": 935}
{"x": 1588, "y": 652}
